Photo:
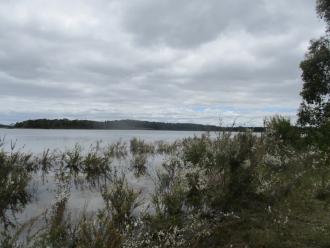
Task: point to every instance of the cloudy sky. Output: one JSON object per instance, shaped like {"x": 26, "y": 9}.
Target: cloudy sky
{"x": 165, "y": 60}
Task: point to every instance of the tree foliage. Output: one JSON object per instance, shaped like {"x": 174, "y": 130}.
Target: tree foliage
{"x": 323, "y": 10}
{"x": 315, "y": 108}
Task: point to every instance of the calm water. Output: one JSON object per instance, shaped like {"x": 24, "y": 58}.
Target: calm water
{"x": 37, "y": 140}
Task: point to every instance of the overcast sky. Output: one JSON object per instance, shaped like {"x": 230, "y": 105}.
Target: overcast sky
{"x": 163, "y": 60}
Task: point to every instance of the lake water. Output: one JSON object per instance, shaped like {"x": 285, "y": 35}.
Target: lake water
{"x": 44, "y": 192}
{"x": 37, "y": 140}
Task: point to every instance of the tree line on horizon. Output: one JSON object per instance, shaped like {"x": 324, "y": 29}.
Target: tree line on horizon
{"x": 124, "y": 125}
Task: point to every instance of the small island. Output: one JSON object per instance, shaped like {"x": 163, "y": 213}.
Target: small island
{"x": 125, "y": 125}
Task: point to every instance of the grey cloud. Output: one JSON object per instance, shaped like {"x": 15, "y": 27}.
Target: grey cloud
{"x": 153, "y": 60}
{"x": 189, "y": 23}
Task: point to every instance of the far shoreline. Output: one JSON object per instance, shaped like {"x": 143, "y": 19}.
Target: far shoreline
{"x": 66, "y": 124}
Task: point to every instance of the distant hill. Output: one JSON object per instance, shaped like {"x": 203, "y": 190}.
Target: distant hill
{"x": 3, "y": 126}
{"x": 118, "y": 125}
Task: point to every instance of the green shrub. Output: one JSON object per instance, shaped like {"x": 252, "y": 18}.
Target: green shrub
{"x": 15, "y": 176}
{"x": 120, "y": 200}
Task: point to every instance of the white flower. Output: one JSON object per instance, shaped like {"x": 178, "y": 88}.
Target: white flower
{"x": 269, "y": 209}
